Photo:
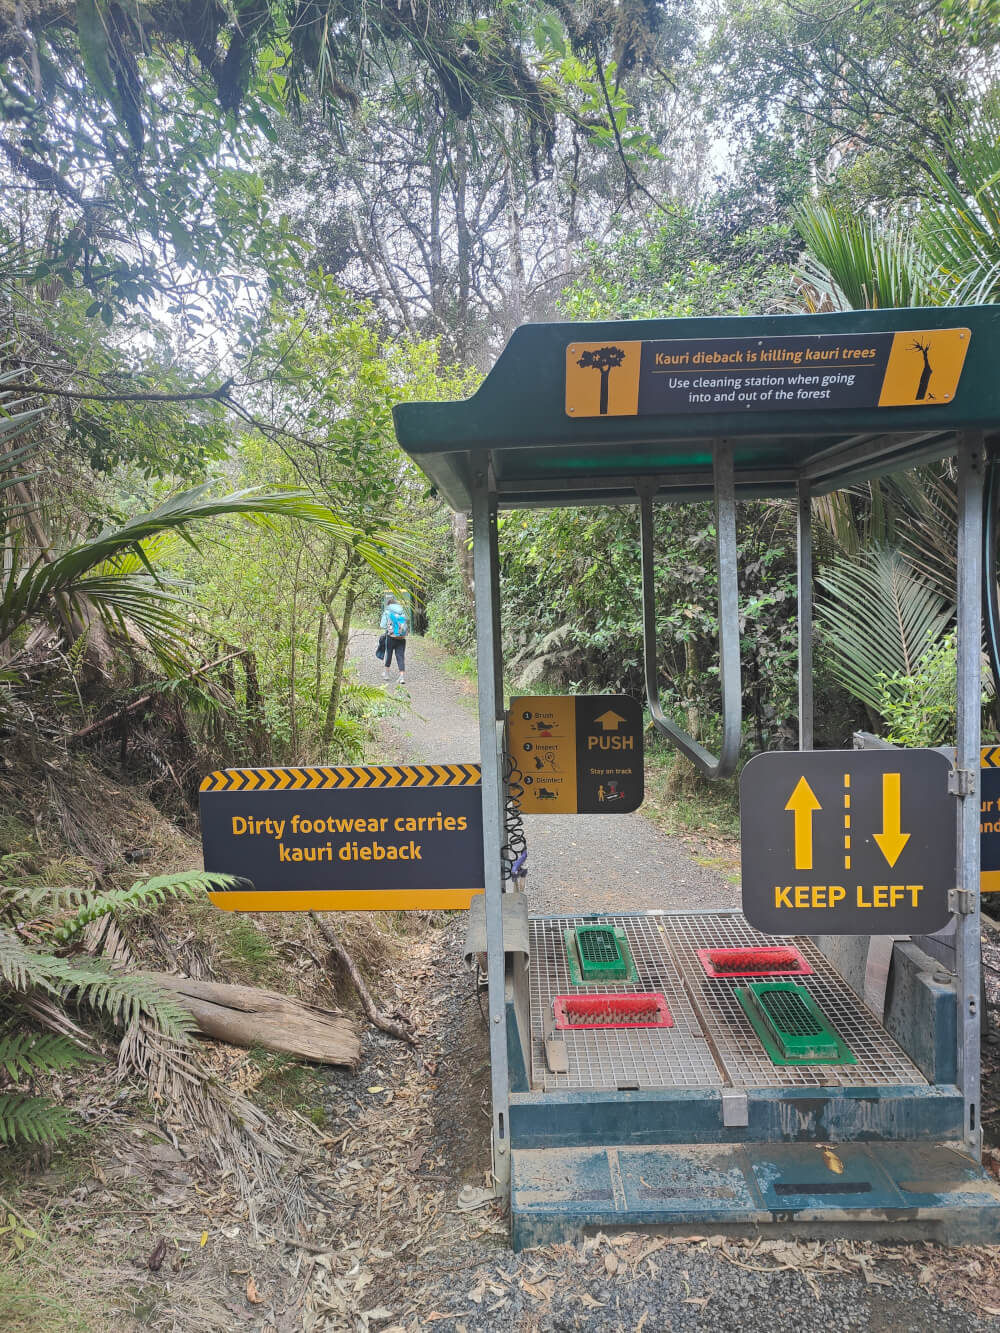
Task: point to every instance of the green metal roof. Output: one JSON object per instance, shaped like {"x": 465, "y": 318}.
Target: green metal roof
{"x": 519, "y": 422}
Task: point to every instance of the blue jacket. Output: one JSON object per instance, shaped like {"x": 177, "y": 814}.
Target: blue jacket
{"x": 394, "y": 621}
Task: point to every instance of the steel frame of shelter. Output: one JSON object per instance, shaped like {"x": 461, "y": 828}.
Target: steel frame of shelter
{"x": 514, "y": 445}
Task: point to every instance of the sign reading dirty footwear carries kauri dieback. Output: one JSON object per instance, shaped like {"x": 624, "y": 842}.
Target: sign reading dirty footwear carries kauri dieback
{"x": 847, "y": 842}
{"x": 577, "y": 754}
{"x": 372, "y": 838}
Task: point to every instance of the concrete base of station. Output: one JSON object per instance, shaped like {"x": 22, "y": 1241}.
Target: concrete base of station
{"x": 887, "y": 1191}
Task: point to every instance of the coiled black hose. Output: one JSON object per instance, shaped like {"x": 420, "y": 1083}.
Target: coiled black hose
{"x": 514, "y": 853}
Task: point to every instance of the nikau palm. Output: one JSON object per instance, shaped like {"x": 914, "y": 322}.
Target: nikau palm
{"x": 113, "y": 573}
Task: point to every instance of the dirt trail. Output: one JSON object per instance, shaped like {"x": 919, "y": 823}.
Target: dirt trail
{"x": 459, "y": 1276}
{"x": 576, "y": 863}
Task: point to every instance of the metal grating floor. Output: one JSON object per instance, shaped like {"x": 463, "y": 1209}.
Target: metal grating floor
{"x": 665, "y": 945}
{"x": 622, "y": 1057}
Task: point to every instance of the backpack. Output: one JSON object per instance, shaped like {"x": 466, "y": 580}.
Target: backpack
{"x": 398, "y": 626}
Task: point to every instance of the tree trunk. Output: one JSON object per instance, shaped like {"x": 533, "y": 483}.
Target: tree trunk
{"x": 293, "y": 708}
{"x": 436, "y": 266}
{"x": 463, "y": 330}
{"x": 77, "y": 616}
{"x": 343, "y": 634}
{"x": 691, "y": 687}
{"x": 253, "y": 703}
{"x": 246, "y": 1016}
{"x": 515, "y": 253}
{"x": 320, "y": 643}
{"x": 460, "y": 532}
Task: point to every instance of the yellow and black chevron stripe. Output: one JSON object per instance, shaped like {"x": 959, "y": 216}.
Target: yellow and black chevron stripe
{"x": 989, "y": 756}
{"x": 370, "y": 776}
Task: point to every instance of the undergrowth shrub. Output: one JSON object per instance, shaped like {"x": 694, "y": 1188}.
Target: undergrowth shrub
{"x": 45, "y": 977}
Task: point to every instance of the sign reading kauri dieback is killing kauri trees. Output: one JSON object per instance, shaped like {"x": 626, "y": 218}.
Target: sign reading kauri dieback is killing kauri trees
{"x": 847, "y": 842}
{"x": 908, "y": 368}
{"x": 372, "y": 838}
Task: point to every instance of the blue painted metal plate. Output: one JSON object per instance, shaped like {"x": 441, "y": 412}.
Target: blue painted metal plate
{"x": 811, "y": 1176}
{"x": 697, "y": 1178}
{"x": 906, "y": 1190}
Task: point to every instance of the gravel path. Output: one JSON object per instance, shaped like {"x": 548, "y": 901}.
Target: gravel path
{"x": 462, "y": 1278}
{"x": 576, "y": 863}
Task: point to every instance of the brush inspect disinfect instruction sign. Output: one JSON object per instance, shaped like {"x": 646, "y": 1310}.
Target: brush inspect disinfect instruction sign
{"x": 576, "y": 753}
{"x": 847, "y": 842}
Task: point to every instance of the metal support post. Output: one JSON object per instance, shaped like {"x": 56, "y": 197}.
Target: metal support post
{"x": 805, "y": 561}
{"x": 967, "y": 944}
{"x": 486, "y": 568}
{"x": 729, "y": 624}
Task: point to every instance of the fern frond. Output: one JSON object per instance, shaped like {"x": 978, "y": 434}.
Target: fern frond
{"x": 28, "y": 900}
{"x": 144, "y": 893}
{"x": 26, "y": 1054}
{"x": 33, "y": 1120}
{"x": 124, "y": 998}
{"x": 20, "y": 966}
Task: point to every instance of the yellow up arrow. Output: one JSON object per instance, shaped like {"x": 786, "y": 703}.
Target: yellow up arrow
{"x": 891, "y": 841}
{"x": 802, "y": 803}
{"x": 610, "y": 720}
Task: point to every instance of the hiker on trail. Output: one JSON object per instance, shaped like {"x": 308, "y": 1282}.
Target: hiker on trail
{"x": 395, "y": 627}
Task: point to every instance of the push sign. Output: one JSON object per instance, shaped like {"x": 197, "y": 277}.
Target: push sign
{"x": 847, "y": 842}
{"x": 577, "y": 753}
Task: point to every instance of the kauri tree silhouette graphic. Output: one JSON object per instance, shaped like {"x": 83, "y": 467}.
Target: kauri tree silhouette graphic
{"x": 605, "y": 359}
{"x": 925, "y": 376}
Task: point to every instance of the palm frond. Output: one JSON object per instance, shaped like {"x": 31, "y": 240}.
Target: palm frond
{"x": 14, "y": 458}
{"x": 31, "y": 589}
{"x": 29, "y": 900}
{"x": 856, "y": 263}
{"x": 20, "y": 967}
{"x": 879, "y": 618}
{"x": 927, "y": 527}
{"x": 140, "y": 559}
{"x": 961, "y": 223}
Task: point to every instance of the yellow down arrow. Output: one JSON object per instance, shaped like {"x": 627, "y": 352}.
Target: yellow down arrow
{"x": 803, "y": 803}
{"x": 891, "y": 841}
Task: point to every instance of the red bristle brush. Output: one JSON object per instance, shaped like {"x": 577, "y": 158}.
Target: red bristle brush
{"x": 753, "y": 960}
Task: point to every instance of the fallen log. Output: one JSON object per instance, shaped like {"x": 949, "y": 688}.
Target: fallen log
{"x": 246, "y": 1016}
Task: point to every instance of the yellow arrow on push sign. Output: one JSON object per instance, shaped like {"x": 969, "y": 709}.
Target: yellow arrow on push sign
{"x": 610, "y": 721}
{"x": 803, "y": 803}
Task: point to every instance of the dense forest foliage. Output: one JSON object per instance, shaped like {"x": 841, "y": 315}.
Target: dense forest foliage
{"x": 230, "y": 244}
{"x": 232, "y": 238}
